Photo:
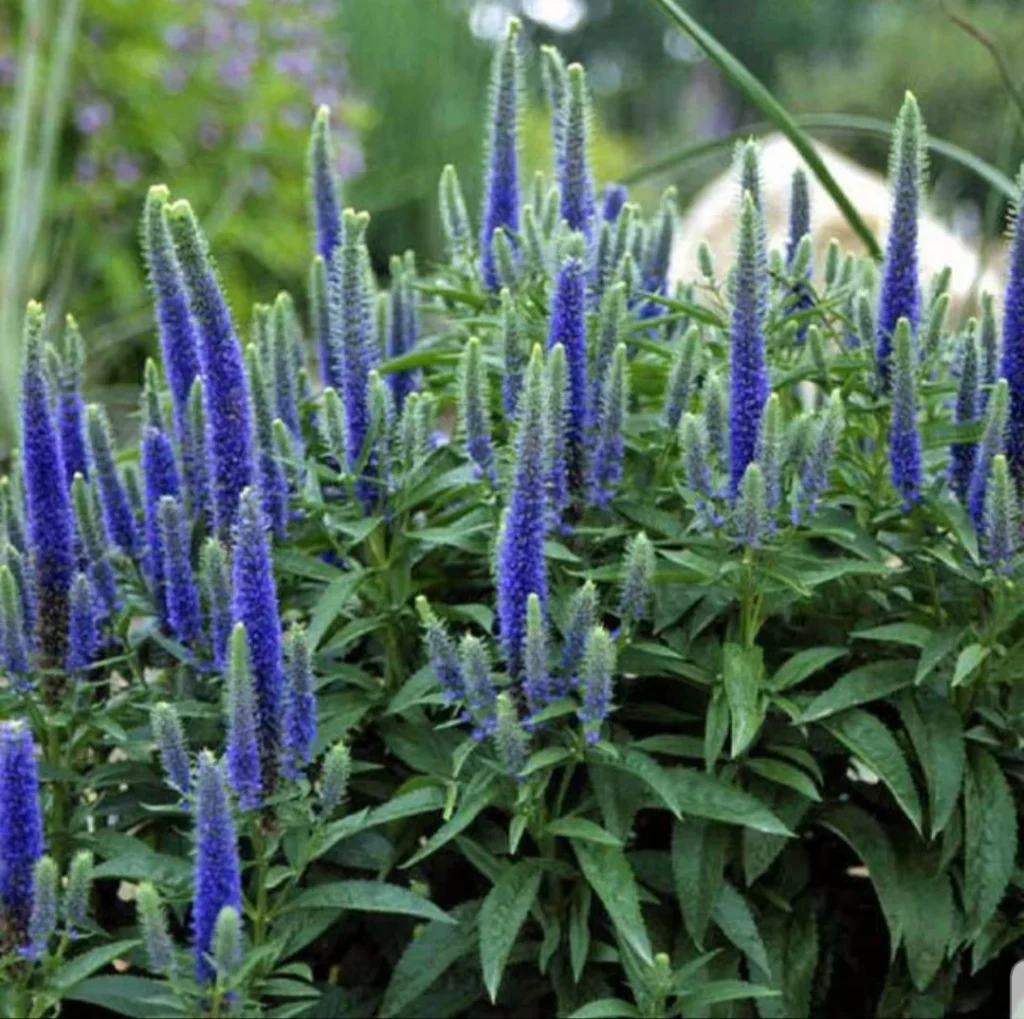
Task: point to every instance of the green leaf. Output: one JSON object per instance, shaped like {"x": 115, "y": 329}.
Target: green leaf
{"x": 701, "y": 795}
{"x": 761, "y": 850}
{"x": 579, "y": 928}
{"x": 581, "y": 828}
{"x": 867, "y": 838}
{"x": 734, "y": 917}
{"x": 872, "y": 743}
{"x": 860, "y": 686}
{"x": 468, "y": 539}
{"x": 803, "y": 665}
{"x": 502, "y": 915}
{"x": 289, "y": 560}
{"x": 718, "y": 992}
{"x": 328, "y": 607}
{"x": 698, "y": 866}
{"x": 936, "y": 730}
{"x": 791, "y": 939}
{"x": 606, "y": 1008}
{"x": 476, "y": 799}
{"x": 423, "y": 800}
{"x": 421, "y": 687}
{"x": 758, "y": 96}
{"x": 716, "y": 728}
{"x": 990, "y": 834}
{"x": 896, "y": 633}
{"x": 652, "y": 774}
{"x": 940, "y": 645}
{"x": 82, "y": 966}
{"x": 368, "y": 897}
{"x": 967, "y": 662}
{"x": 136, "y": 997}
{"x": 548, "y": 757}
{"x": 784, "y": 774}
{"x": 608, "y": 872}
{"x": 131, "y": 859}
{"x": 620, "y": 795}
{"x": 928, "y": 916}
{"x": 672, "y": 745}
{"x": 742, "y": 674}
{"x": 286, "y": 987}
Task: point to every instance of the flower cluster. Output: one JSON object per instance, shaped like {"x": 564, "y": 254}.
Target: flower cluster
{"x": 610, "y": 499}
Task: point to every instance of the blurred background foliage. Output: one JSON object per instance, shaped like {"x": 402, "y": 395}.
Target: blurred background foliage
{"x": 214, "y": 97}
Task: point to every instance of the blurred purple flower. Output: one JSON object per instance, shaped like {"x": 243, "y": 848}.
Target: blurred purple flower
{"x": 326, "y": 94}
{"x": 178, "y": 36}
{"x": 86, "y": 169}
{"x": 292, "y": 116}
{"x": 218, "y": 30}
{"x": 259, "y": 179}
{"x": 298, "y": 62}
{"x": 350, "y": 160}
{"x": 93, "y": 116}
{"x": 210, "y": 133}
{"x": 247, "y": 32}
{"x": 174, "y": 78}
{"x": 236, "y": 71}
{"x": 252, "y": 135}
{"x": 126, "y": 169}
{"x": 8, "y": 70}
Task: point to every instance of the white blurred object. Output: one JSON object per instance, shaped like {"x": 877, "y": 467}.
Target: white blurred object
{"x": 712, "y": 217}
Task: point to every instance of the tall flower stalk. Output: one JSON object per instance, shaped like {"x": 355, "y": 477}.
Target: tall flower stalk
{"x": 229, "y": 422}
{"x": 501, "y": 167}
{"x": 255, "y": 605}
{"x": 21, "y": 830}
{"x": 520, "y": 565}
{"x": 1013, "y": 341}
{"x": 47, "y": 497}
{"x": 748, "y": 371}
{"x": 900, "y": 294}
{"x": 568, "y": 327}
{"x": 179, "y": 341}
{"x": 217, "y": 881}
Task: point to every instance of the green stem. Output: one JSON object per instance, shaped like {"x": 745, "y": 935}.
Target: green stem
{"x": 59, "y": 811}
{"x": 750, "y": 603}
{"x": 259, "y": 846}
{"x": 563, "y": 788}
{"x": 21, "y": 1001}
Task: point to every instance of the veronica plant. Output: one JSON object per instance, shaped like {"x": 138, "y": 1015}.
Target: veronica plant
{"x": 736, "y": 603}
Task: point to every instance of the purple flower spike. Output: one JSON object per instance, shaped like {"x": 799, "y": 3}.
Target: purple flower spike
{"x": 255, "y": 605}
{"x": 520, "y": 565}
{"x": 900, "y": 294}
{"x": 21, "y": 828}
{"x": 47, "y": 497}
{"x": 748, "y": 372}
{"x": 217, "y": 881}
{"x": 228, "y": 416}
{"x": 501, "y": 184}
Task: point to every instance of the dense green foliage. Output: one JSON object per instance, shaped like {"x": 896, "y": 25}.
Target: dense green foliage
{"x": 802, "y": 799}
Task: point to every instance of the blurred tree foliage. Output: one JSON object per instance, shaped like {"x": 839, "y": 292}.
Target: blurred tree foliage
{"x": 953, "y": 76}
{"x": 213, "y": 98}
{"x": 423, "y": 74}
{"x": 638, "y": 63}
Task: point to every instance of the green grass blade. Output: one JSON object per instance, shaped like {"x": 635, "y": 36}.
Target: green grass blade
{"x": 16, "y": 246}
{"x": 52, "y": 118}
{"x": 846, "y": 123}
{"x": 774, "y": 111}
